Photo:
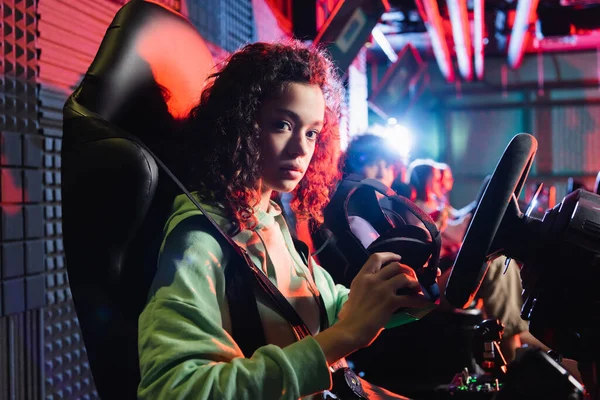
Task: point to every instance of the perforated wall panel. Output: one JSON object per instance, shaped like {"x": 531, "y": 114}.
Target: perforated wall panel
{"x": 576, "y": 140}
{"x": 238, "y": 24}
{"x": 206, "y": 17}
{"x": 70, "y": 33}
{"x": 228, "y": 24}
{"x": 21, "y": 356}
{"x": 21, "y": 222}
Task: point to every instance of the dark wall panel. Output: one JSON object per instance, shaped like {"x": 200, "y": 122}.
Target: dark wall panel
{"x": 476, "y": 139}
{"x": 21, "y": 250}
{"x": 69, "y": 36}
{"x": 21, "y": 356}
{"x": 228, "y": 24}
{"x": 576, "y": 139}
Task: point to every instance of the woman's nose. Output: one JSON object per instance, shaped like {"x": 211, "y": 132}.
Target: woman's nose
{"x": 298, "y": 146}
{"x": 381, "y": 168}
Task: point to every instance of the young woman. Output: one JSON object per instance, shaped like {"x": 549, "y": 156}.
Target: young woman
{"x": 425, "y": 177}
{"x": 267, "y": 122}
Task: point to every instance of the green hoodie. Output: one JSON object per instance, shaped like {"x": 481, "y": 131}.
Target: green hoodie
{"x": 185, "y": 344}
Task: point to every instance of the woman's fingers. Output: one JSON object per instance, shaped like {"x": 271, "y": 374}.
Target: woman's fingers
{"x": 403, "y": 281}
{"x": 377, "y": 260}
{"x": 395, "y": 268}
{"x": 390, "y": 270}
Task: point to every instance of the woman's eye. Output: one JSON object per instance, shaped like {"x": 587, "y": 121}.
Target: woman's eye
{"x": 283, "y": 126}
{"x": 312, "y": 134}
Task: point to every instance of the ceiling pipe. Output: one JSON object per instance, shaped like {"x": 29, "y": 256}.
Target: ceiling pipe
{"x": 526, "y": 10}
{"x": 430, "y": 13}
{"x": 459, "y": 18}
{"x": 479, "y": 30}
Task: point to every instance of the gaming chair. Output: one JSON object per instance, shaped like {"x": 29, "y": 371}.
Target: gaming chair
{"x": 148, "y": 73}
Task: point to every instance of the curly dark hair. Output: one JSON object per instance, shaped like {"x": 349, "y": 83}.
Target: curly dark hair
{"x": 222, "y": 147}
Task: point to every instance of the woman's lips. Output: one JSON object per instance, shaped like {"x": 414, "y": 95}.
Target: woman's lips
{"x": 291, "y": 172}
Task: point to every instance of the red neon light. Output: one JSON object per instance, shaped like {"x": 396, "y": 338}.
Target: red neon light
{"x": 433, "y": 22}
{"x": 479, "y": 28}
{"x": 459, "y": 17}
{"x": 520, "y": 35}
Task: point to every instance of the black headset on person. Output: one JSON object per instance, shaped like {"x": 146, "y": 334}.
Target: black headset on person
{"x": 419, "y": 247}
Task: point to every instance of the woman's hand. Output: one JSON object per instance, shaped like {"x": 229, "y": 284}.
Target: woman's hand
{"x": 373, "y": 297}
{"x": 370, "y": 305}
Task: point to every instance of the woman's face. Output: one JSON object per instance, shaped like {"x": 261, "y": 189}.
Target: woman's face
{"x": 290, "y": 125}
{"x": 435, "y": 182}
{"x": 380, "y": 170}
{"x": 447, "y": 180}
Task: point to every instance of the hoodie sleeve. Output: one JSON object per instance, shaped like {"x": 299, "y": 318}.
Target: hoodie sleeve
{"x": 184, "y": 350}
{"x": 334, "y": 295}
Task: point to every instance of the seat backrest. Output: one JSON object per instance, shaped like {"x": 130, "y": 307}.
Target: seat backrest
{"x": 149, "y": 71}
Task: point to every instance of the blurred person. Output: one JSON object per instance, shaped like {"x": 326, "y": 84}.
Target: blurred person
{"x": 425, "y": 177}
{"x": 447, "y": 181}
{"x": 372, "y": 156}
{"x": 458, "y": 219}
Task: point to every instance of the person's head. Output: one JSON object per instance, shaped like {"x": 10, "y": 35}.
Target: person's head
{"x": 370, "y": 156}
{"x": 267, "y": 120}
{"x": 425, "y": 177}
{"x": 447, "y": 178}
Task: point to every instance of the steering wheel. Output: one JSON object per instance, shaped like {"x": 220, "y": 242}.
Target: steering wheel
{"x": 507, "y": 180}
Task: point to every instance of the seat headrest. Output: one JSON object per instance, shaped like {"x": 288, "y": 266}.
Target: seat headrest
{"x": 149, "y": 55}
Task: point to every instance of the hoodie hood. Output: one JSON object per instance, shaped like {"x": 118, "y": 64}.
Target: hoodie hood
{"x": 184, "y": 208}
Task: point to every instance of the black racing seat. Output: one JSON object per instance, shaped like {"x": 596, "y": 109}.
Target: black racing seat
{"x": 149, "y": 71}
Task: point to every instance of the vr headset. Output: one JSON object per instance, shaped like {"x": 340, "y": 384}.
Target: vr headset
{"x": 418, "y": 243}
